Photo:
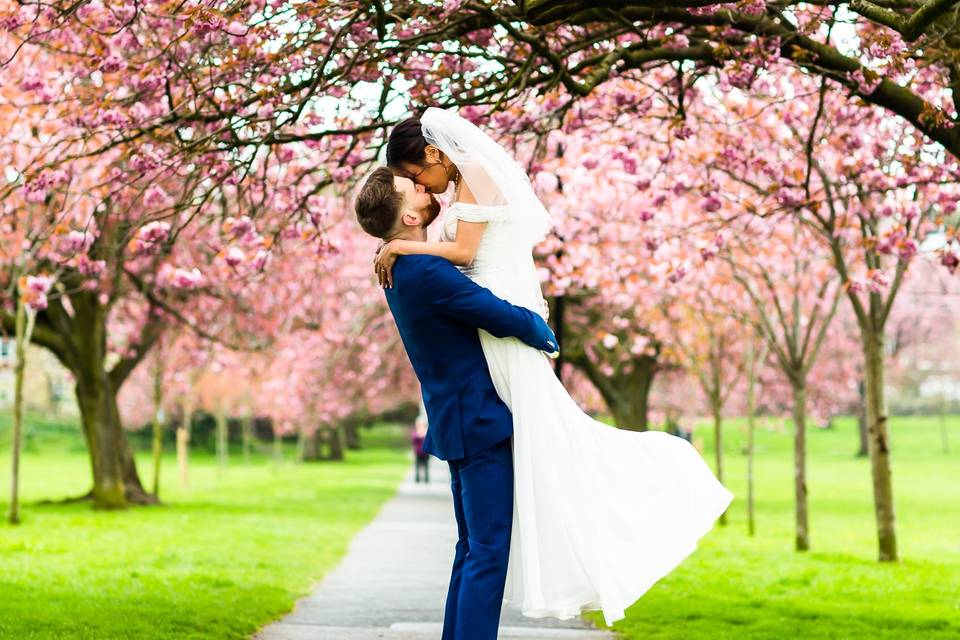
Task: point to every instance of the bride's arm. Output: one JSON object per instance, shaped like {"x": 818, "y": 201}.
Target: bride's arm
{"x": 461, "y": 252}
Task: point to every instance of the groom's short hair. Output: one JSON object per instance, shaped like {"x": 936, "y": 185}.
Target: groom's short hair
{"x": 378, "y": 205}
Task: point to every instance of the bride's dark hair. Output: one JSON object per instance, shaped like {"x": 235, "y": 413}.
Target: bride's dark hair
{"x": 406, "y": 143}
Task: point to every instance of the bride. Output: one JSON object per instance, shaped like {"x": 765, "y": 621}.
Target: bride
{"x": 600, "y": 513}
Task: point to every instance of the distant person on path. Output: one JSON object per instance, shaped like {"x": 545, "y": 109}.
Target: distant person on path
{"x": 422, "y": 458}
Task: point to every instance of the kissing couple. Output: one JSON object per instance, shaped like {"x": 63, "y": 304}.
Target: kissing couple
{"x": 557, "y": 513}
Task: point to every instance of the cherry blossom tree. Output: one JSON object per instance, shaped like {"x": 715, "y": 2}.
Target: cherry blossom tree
{"x": 139, "y": 240}
{"x": 795, "y": 294}
{"x": 625, "y": 232}
{"x": 710, "y": 342}
{"x": 870, "y": 192}
{"x": 263, "y": 61}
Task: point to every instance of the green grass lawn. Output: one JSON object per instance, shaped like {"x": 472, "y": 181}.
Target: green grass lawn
{"x": 735, "y": 586}
{"x": 217, "y": 560}
{"x": 229, "y": 554}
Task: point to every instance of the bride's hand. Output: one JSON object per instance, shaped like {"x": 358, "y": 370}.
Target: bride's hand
{"x": 383, "y": 263}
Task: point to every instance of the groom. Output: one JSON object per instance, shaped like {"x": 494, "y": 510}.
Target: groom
{"x": 438, "y": 311}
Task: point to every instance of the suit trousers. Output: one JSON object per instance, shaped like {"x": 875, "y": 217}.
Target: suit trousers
{"x": 482, "y": 486}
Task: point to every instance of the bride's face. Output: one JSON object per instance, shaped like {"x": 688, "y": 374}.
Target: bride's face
{"x": 433, "y": 173}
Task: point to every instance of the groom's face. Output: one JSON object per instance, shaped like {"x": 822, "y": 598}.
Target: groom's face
{"x": 417, "y": 199}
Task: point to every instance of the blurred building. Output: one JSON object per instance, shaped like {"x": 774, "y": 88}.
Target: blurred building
{"x": 48, "y": 386}
{"x": 925, "y": 379}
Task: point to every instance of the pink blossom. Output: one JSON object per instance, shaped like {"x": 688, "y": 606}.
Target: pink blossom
{"x": 341, "y": 174}
{"x": 863, "y": 85}
{"x": 652, "y": 240}
{"x": 206, "y": 21}
{"x": 907, "y": 249}
{"x": 140, "y": 112}
{"x": 156, "y": 198}
{"x": 546, "y": 181}
{"x": 39, "y": 284}
{"x": 234, "y": 256}
{"x": 238, "y": 227}
{"x": 32, "y": 81}
{"x": 260, "y": 259}
{"x": 639, "y": 344}
{"x": 711, "y": 203}
{"x": 150, "y": 238}
{"x": 112, "y": 64}
{"x": 34, "y": 290}
{"x": 877, "y": 280}
{"x": 179, "y": 278}
{"x": 677, "y": 274}
{"x": 10, "y": 22}
{"x": 753, "y": 8}
{"x": 74, "y": 242}
{"x": 950, "y": 260}
{"x": 90, "y": 268}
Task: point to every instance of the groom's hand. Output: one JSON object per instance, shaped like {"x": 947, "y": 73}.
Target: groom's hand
{"x": 552, "y": 345}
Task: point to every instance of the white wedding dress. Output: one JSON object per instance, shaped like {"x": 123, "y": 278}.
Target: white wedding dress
{"x": 600, "y": 513}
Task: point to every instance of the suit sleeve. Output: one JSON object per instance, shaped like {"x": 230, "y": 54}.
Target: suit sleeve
{"x": 459, "y": 298}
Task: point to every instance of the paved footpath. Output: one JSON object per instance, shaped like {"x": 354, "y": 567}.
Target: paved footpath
{"x": 392, "y": 583}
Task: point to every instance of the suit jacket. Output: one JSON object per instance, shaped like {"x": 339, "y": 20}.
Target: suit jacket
{"x": 438, "y": 310}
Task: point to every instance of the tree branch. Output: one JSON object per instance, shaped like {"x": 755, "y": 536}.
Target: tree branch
{"x": 910, "y": 28}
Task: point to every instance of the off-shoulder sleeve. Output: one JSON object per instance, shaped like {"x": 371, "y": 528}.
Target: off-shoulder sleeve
{"x": 479, "y": 212}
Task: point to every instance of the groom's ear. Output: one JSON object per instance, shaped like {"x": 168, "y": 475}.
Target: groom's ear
{"x": 411, "y": 218}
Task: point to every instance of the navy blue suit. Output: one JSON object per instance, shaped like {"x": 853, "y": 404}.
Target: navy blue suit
{"x": 438, "y": 310}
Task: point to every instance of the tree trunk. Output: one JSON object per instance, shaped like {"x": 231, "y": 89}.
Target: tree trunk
{"x": 751, "y": 520}
{"x": 277, "y": 448}
{"x": 863, "y": 451}
{"x": 626, "y": 395}
{"x": 24, "y": 326}
{"x": 352, "y": 432}
{"x": 183, "y": 444}
{"x": 310, "y": 446}
{"x": 716, "y": 407}
{"x": 630, "y": 412}
{"x": 800, "y": 465}
{"x": 751, "y": 410}
{"x": 222, "y": 441}
{"x": 246, "y": 432}
{"x": 879, "y": 444}
{"x": 157, "y": 425}
{"x": 115, "y": 479}
{"x": 943, "y": 422}
{"x": 336, "y": 446}
{"x": 558, "y": 311}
